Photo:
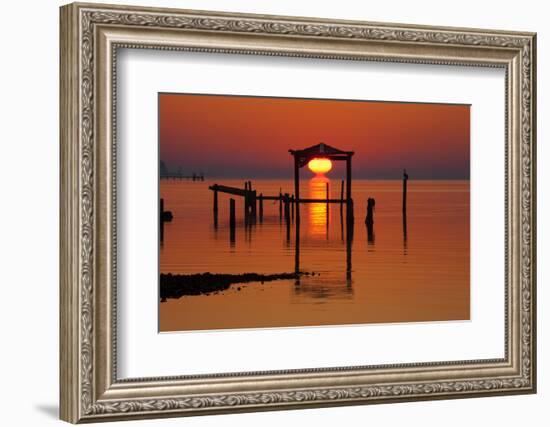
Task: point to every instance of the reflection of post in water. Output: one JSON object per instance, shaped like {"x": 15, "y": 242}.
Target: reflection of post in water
{"x": 261, "y": 201}
{"x": 405, "y": 234}
{"x": 405, "y": 179}
{"x": 280, "y": 205}
{"x": 369, "y": 220}
{"x": 296, "y": 209}
{"x": 232, "y": 222}
{"x": 297, "y": 253}
{"x": 215, "y": 208}
{"x": 164, "y": 216}
{"x": 370, "y": 234}
{"x": 287, "y": 216}
{"x": 161, "y": 224}
{"x": 350, "y": 224}
{"x": 328, "y": 206}
{"x": 341, "y": 224}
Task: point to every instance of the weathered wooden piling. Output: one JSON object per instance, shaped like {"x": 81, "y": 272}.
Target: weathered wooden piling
{"x": 405, "y": 179}
{"x": 405, "y": 229}
{"x": 349, "y": 211}
{"x": 232, "y": 220}
{"x": 350, "y": 225}
{"x": 164, "y": 216}
{"x": 280, "y": 203}
{"x": 254, "y": 203}
{"x": 341, "y": 196}
{"x": 286, "y": 202}
{"x": 261, "y": 200}
{"x": 327, "y": 208}
{"x": 297, "y": 188}
{"x": 215, "y": 207}
{"x": 348, "y": 179}
{"x": 369, "y": 219}
{"x": 161, "y": 220}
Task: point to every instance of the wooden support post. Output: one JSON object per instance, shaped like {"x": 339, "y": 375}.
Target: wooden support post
{"x": 405, "y": 179}
{"x": 327, "y": 212}
{"x": 232, "y": 221}
{"x": 369, "y": 220}
{"x": 349, "y": 214}
{"x": 349, "y": 201}
{"x": 350, "y": 224}
{"x": 254, "y": 201}
{"x": 215, "y": 207}
{"x": 246, "y": 208}
{"x": 341, "y": 195}
{"x": 280, "y": 203}
{"x": 287, "y": 207}
{"x": 161, "y": 220}
{"x": 297, "y": 253}
{"x": 297, "y": 188}
{"x": 261, "y": 207}
{"x": 215, "y": 191}
{"x": 287, "y": 216}
{"x": 405, "y": 233}
{"x": 348, "y": 179}
{"x": 293, "y": 207}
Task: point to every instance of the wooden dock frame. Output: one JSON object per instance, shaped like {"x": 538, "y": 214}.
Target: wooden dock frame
{"x": 301, "y": 159}
{"x": 289, "y": 205}
{"x": 254, "y": 203}
{"x": 322, "y": 150}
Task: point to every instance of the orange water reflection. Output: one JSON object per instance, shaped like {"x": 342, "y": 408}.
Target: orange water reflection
{"x": 403, "y": 272}
{"x": 318, "y": 212}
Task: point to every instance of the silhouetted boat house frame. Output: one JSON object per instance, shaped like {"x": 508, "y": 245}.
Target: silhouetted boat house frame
{"x": 324, "y": 151}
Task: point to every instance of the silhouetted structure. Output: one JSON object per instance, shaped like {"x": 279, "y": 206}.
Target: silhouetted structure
{"x": 251, "y": 201}
{"x": 164, "y": 173}
{"x": 369, "y": 220}
{"x": 301, "y": 159}
{"x": 164, "y": 216}
{"x": 322, "y": 150}
{"x": 405, "y": 179}
{"x": 289, "y": 205}
{"x": 232, "y": 221}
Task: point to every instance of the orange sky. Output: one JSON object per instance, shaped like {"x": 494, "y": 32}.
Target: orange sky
{"x": 249, "y": 137}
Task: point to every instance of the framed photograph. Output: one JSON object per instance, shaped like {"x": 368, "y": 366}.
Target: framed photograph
{"x": 265, "y": 212}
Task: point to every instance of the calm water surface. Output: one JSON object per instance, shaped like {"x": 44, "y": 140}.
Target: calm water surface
{"x": 420, "y": 272}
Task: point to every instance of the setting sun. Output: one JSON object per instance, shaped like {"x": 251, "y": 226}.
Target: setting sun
{"x": 319, "y": 165}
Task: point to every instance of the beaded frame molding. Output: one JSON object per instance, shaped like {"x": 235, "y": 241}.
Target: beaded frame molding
{"x": 90, "y": 37}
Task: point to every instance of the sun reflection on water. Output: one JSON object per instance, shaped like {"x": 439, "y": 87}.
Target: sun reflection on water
{"x": 318, "y": 212}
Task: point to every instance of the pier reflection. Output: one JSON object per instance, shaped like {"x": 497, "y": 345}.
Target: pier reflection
{"x": 318, "y": 226}
{"x": 360, "y": 276}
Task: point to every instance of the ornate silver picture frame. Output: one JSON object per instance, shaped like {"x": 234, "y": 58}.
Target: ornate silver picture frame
{"x": 91, "y": 34}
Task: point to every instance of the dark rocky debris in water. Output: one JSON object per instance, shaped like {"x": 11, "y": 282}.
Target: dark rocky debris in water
{"x": 178, "y": 285}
